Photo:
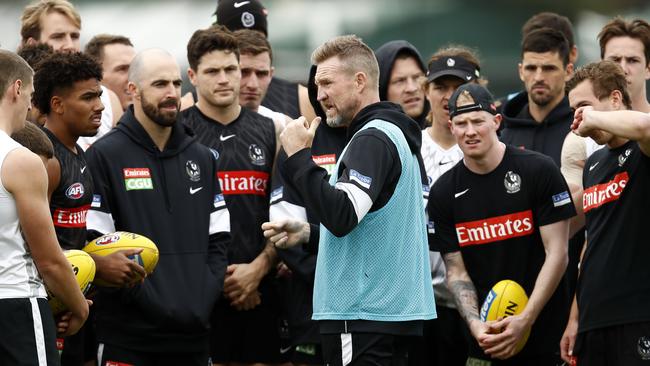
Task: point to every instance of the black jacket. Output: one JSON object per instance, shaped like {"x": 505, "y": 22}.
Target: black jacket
{"x": 173, "y": 198}
{"x": 547, "y": 137}
{"x": 386, "y": 55}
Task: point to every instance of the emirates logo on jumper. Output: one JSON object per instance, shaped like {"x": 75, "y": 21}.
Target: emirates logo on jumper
{"x": 598, "y": 195}
{"x": 243, "y": 182}
{"x": 70, "y": 218}
{"x": 495, "y": 228}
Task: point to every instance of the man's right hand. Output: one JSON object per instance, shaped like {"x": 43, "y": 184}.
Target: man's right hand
{"x": 286, "y": 233}
{"x": 118, "y": 270}
{"x": 69, "y": 323}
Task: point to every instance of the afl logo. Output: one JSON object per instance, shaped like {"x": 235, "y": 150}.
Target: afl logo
{"x": 256, "y": 154}
{"x": 107, "y": 239}
{"x": 75, "y": 191}
{"x": 193, "y": 171}
{"x": 512, "y": 182}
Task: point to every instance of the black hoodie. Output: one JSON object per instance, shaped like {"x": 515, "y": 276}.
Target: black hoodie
{"x": 371, "y": 153}
{"x": 547, "y": 137}
{"x": 386, "y": 55}
{"x": 173, "y": 198}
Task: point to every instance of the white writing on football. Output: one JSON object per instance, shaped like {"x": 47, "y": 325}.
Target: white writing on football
{"x": 495, "y": 228}
{"x": 243, "y": 182}
{"x": 600, "y": 194}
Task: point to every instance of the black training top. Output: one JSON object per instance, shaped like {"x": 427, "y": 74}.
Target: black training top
{"x": 493, "y": 220}
{"x": 245, "y": 150}
{"x": 173, "y": 198}
{"x": 72, "y": 198}
{"x": 614, "y": 282}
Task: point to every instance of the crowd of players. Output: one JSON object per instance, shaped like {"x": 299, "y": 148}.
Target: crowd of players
{"x": 286, "y": 240}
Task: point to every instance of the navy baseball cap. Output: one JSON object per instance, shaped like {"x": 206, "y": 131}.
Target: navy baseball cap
{"x": 454, "y": 66}
{"x": 471, "y": 97}
{"x": 242, "y": 14}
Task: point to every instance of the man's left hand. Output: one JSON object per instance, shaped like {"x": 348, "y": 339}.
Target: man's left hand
{"x": 509, "y": 331}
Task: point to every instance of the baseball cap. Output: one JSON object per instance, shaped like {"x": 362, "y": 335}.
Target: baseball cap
{"x": 455, "y": 66}
{"x": 471, "y": 97}
{"x": 242, "y": 14}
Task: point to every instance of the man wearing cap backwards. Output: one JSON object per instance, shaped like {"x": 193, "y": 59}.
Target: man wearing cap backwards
{"x": 450, "y": 67}
{"x": 501, "y": 214}
{"x": 372, "y": 285}
{"x": 401, "y": 71}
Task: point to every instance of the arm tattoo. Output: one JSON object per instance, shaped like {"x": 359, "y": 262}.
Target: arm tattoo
{"x": 461, "y": 286}
{"x": 466, "y": 299}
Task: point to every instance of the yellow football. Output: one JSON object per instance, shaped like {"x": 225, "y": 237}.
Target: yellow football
{"x": 122, "y": 240}
{"x": 506, "y": 298}
{"x": 83, "y": 267}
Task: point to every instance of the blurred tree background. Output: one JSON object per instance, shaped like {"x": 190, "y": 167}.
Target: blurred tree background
{"x": 296, "y": 27}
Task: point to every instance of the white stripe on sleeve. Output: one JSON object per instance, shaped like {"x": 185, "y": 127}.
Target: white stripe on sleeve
{"x": 360, "y": 200}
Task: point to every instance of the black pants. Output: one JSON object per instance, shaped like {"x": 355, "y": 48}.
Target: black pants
{"x": 365, "y": 349}
{"x": 27, "y": 333}
{"x": 443, "y": 342}
{"x": 110, "y": 355}
{"x": 627, "y": 344}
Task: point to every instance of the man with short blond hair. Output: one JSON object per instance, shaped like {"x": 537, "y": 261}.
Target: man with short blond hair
{"x": 55, "y": 22}
{"x": 373, "y": 281}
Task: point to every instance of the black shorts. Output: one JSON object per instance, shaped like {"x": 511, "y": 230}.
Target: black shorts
{"x": 307, "y": 354}
{"x": 111, "y": 355}
{"x": 443, "y": 341}
{"x": 250, "y": 336}
{"x": 27, "y": 333}
{"x": 365, "y": 349}
{"x": 627, "y": 344}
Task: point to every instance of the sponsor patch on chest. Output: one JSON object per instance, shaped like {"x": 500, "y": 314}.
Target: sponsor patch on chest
{"x": 600, "y": 194}
{"x": 243, "y": 182}
{"x": 495, "y": 228}
{"x": 137, "y": 179}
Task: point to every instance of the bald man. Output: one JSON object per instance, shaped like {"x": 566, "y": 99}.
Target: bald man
{"x": 154, "y": 179}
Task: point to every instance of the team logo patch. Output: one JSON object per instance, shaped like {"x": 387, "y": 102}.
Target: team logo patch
{"x": 108, "y": 239}
{"x": 219, "y": 200}
{"x": 623, "y": 157}
{"x": 75, "y": 191}
{"x": 451, "y": 62}
{"x": 431, "y": 227}
{"x": 256, "y": 154}
{"x": 512, "y": 182}
{"x": 215, "y": 153}
{"x": 137, "y": 179}
{"x": 561, "y": 199}
{"x": 277, "y": 193}
{"x": 643, "y": 347}
{"x": 361, "y": 179}
{"x": 97, "y": 201}
{"x": 247, "y": 19}
{"x": 193, "y": 171}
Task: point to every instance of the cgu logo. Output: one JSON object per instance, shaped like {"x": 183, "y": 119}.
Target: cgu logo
{"x": 75, "y": 191}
